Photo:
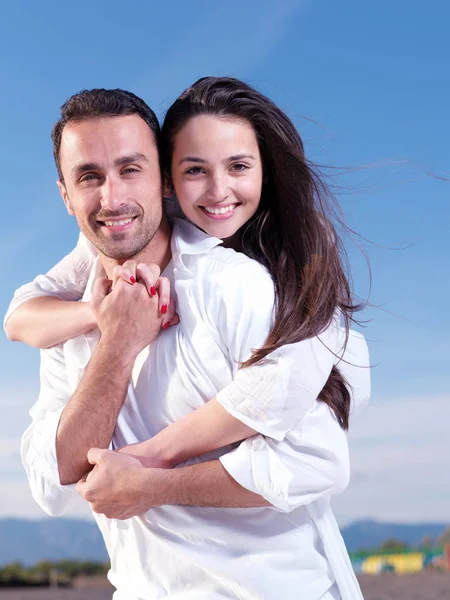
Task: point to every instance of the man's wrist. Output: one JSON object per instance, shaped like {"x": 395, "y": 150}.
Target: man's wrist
{"x": 157, "y": 486}
{"x": 119, "y": 353}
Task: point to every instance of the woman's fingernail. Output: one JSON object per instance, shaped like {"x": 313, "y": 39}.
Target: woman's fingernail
{"x": 132, "y": 279}
{"x": 166, "y": 325}
{"x": 164, "y": 309}
{"x": 153, "y": 290}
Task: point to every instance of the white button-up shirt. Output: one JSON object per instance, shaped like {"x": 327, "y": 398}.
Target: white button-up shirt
{"x": 300, "y": 458}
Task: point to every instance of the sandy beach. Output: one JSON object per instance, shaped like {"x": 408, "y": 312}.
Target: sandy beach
{"x": 422, "y": 586}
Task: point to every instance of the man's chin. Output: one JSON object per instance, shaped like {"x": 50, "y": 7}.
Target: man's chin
{"x": 119, "y": 248}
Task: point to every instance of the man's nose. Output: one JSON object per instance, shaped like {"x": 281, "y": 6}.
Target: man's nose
{"x": 112, "y": 194}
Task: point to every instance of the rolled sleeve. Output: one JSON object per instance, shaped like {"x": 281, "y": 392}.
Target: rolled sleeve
{"x": 271, "y": 397}
{"x": 38, "y": 444}
{"x": 310, "y": 463}
{"x": 38, "y": 450}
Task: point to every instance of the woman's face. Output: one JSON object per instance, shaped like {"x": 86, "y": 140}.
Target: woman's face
{"x": 217, "y": 173}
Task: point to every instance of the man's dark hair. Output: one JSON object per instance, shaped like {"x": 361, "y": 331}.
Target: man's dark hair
{"x": 91, "y": 104}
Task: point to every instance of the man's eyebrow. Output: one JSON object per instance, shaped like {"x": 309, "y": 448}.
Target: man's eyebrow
{"x": 123, "y": 160}
{"x": 130, "y": 158}
{"x": 82, "y": 168}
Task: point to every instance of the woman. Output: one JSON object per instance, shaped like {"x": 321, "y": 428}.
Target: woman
{"x": 237, "y": 166}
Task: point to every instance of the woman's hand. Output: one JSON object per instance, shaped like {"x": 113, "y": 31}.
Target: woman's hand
{"x": 142, "y": 452}
{"x": 132, "y": 272}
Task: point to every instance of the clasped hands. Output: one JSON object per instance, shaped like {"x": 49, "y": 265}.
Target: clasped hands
{"x": 130, "y": 311}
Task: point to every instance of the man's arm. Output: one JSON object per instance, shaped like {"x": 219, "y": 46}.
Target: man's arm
{"x": 129, "y": 319}
{"x": 91, "y": 414}
{"x": 204, "y": 484}
{"x": 121, "y": 488}
{"x": 260, "y": 472}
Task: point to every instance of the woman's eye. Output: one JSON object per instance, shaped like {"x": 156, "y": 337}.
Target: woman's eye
{"x": 194, "y": 170}
{"x": 239, "y": 167}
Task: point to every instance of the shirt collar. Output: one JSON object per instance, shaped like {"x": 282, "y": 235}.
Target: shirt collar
{"x": 96, "y": 271}
{"x": 188, "y": 240}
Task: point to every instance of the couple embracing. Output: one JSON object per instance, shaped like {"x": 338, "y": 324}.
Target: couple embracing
{"x": 198, "y": 372}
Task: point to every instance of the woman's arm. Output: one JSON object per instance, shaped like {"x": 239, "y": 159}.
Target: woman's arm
{"x": 250, "y": 404}
{"x": 46, "y": 321}
{"x": 207, "y": 428}
{"x": 45, "y": 311}
{"x": 268, "y": 398}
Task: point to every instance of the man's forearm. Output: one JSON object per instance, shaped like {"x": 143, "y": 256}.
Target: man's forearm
{"x": 204, "y": 484}
{"x": 90, "y": 416}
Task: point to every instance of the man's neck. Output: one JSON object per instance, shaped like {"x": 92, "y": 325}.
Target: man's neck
{"x": 157, "y": 251}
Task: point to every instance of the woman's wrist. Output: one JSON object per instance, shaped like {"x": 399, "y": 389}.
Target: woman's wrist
{"x": 86, "y": 316}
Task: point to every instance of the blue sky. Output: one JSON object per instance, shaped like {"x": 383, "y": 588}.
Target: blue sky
{"x": 367, "y": 85}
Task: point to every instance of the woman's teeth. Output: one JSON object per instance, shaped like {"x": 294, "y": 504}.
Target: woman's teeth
{"x": 220, "y": 211}
{"x": 117, "y": 223}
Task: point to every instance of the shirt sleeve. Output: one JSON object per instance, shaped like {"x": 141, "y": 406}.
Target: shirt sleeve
{"x": 38, "y": 444}
{"x": 271, "y": 396}
{"x": 66, "y": 280}
{"x": 302, "y": 453}
{"x": 294, "y": 472}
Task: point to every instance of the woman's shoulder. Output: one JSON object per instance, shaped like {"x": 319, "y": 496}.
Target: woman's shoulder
{"x": 225, "y": 265}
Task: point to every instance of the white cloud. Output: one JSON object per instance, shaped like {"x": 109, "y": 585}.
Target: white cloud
{"x": 399, "y": 451}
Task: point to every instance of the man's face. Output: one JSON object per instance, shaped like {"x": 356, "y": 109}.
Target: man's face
{"x": 112, "y": 182}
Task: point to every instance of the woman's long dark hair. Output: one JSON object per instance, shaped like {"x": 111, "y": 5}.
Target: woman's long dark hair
{"x": 292, "y": 232}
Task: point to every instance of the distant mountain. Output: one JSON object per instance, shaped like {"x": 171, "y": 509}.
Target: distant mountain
{"x": 58, "y": 539}
{"x": 371, "y": 534}
{"x": 49, "y": 539}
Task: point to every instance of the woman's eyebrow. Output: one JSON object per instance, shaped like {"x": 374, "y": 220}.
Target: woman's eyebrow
{"x": 194, "y": 159}
{"x": 197, "y": 159}
{"x": 241, "y": 157}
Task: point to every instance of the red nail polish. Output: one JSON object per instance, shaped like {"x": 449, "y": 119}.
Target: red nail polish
{"x": 132, "y": 279}
{"x": 166, "y": 325}
{"x": 153, "y": 290}
{"x": 164, "y": 309}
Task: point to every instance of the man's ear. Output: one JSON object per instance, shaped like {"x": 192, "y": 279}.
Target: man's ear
{"x": 65, "y": 197}
{"x": 168, "y": 190}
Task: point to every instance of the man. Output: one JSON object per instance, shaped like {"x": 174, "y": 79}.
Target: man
{"x": 111, "y": 388}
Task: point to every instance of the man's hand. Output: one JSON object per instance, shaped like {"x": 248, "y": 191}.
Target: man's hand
{"x": 120, "y": 487}
{"x": 115, "y": 487}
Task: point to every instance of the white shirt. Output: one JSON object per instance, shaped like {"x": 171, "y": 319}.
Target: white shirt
{"x": 294, "y": 548}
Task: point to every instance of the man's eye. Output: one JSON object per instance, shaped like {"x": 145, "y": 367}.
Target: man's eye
{"x": 89, "y": 177}
{"x": 129, "y": 170}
